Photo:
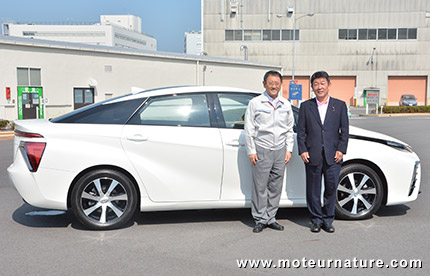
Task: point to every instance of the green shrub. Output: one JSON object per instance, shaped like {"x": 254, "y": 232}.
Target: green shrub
{"x": 406, "y": 109}
{"x": 4, "y": 123}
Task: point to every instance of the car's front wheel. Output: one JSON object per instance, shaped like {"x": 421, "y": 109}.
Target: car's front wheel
{"x": 360, "y": 192}
{"x": 104, "y": 199}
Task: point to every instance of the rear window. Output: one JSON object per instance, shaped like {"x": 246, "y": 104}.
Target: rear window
{"x": 109, "y": 112}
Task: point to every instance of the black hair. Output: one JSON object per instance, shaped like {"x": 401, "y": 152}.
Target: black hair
{"x": 272, "y": 73}
{"x": 320, "y": 74}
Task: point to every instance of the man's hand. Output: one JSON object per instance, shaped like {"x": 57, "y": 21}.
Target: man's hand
{"x": 305, "y": 157}
{"x": 338, "y": 157}
{"x": 287, "y": 157}
{"x": 253, "y": 158}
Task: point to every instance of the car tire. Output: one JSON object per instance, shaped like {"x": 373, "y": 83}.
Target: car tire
{"x": 104, "y": 199}
{"x": 362, "y": 198}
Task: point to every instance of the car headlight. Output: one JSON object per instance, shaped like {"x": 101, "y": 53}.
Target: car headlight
{"x": 396, "y": 145}
{"x": 399, "y": 146}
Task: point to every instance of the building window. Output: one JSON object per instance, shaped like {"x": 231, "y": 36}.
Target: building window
{"x": 29, "y": 77}
{"x": 362, "y": 34}
{"x": 342, "y": 34}
{"x": 233, "y": 35}
{"x": 238, "y": 35}
{"x": 260, "y": 35}
{"x": 130, "y": 39}
{"x": 252, "y": 35}
{"x": 267, "y": 34}
{"x": 229, "y": 35}
{"x": 28, "y": 33}
{"x": 276, "y": 35}
{"x": 352, "y": 34}
{"x": 381, "y": 34}
{"x": 371, "y": 34}
{"x": 288, "y": 35}
{"x": 82, "y": 97}
{"x": 348, "y": 34}
{"x": 412, "y": 33}
{"x": 403, "y": 33}
{"x": 392, "y": 33}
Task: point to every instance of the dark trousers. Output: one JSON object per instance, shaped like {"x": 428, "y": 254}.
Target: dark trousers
{"x": 322, "y": 214}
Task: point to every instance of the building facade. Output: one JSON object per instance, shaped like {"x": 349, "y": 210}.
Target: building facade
{"x": 193, "y": 43}
{"x": 44, "y": 79}
{"x": 365, "y": 45}
{"x": 123, "y": 31}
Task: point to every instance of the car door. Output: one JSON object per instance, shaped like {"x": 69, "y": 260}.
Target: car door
{"x": 237, "y": 176}
{"x": 176, "y": 152}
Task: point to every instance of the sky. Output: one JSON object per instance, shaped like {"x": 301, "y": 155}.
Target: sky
{"x": 165, "y": 20}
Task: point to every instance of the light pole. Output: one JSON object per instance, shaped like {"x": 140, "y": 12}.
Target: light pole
{"x": 294, "y": 35}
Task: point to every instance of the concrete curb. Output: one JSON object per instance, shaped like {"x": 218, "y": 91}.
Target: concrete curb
{"x": 7, "y": 133}
{"x": 395, "y": 115}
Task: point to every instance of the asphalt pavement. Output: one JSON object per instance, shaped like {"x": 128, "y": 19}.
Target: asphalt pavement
{"x": 209, "y": 242}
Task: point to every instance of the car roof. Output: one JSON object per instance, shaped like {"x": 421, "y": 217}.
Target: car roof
{"x": 179, "y": 90}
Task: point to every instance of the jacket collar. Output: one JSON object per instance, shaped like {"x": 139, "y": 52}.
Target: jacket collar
{"x": 265, "y": 98}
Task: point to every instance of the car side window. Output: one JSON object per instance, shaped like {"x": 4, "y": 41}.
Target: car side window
{"x": 108, "y": 112}
{"x": 174, "y": 110}
{"x": 233, "y": 106}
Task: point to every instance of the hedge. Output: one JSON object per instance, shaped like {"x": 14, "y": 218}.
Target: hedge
{"x": 5, "y": 124}
{"x": 406, "y": 109}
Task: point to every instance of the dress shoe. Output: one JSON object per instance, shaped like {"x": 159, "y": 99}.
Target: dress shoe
{"x": 276, "y": 226}
{"x": 315, "y": 227}
{"x": 258, "y": 228}
{"x": 328, "y": 227}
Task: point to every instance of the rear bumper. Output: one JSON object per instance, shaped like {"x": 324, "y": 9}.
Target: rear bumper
{"x": 44, "y": 189}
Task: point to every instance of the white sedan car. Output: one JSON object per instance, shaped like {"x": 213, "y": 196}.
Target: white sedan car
{"x": 183, "y": 148}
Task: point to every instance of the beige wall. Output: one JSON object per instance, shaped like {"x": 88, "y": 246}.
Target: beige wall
{"x": 64, "y": 68}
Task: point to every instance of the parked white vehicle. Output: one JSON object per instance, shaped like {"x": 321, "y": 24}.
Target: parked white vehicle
{"x": 183, "y": 148}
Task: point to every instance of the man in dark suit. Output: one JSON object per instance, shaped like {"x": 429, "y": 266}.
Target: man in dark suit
{"x": 322, "y": 137}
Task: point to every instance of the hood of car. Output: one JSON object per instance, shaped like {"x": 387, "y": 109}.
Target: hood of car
{"x": 371, "y": 134}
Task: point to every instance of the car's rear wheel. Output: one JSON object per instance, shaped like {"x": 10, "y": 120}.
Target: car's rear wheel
{"x": 104, "y": 199}
{"x": 360, "y": 192}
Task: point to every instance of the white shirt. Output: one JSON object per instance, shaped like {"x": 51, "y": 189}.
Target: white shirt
{"x": 322, "y": 109}
{"x": 269, "y": 125}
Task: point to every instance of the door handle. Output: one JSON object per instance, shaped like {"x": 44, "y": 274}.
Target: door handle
{"x": 233, "y": 143}
{"x": 137, "y": 138}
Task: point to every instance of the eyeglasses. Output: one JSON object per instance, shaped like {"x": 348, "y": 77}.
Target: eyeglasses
{"x": 270, "y": 83}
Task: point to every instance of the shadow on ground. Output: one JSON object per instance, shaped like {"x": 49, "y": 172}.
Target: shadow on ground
{"x": 30, "y": 216}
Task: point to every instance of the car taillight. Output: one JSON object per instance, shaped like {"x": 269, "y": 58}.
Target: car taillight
{"x": 27, "y": 134}
{"x": 32, "y": 152}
